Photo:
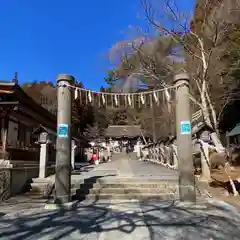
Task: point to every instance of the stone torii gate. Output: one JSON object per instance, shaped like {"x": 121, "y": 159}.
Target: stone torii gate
{"x": 184, "y": 142}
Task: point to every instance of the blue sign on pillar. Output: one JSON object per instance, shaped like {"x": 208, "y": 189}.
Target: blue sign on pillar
{"x": 185, "y": 127}
{"x": 63, "y": 130}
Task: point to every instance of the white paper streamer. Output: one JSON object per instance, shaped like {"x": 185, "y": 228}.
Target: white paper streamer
{"x": 159, "y": 97}
{"x": 167, "y": 95}
{"x": 155, "y": 97}
{"x": 89, "y": 97}
{"x": 116, "y": 100}
{"x": 103, "y": 99}
{"x": 129, "y": 100}
{"x": 168, "y": 98}
{"x": 142, "y": 99}
{"x": 76, "y": 93}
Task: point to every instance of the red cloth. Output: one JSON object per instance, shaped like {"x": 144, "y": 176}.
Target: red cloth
{"x": 94, "y": 157}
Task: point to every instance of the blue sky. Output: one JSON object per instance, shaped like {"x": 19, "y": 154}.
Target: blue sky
{"x": 42, "y": 38}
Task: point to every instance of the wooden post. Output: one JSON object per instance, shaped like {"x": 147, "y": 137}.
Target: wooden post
{"x": 4, "y": 134}
{"x": 153, "y": 120}
{"x": 205, "y": 162}
{"x": 184, "y": 139}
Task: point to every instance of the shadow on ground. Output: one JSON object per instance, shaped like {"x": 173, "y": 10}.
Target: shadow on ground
{"x": 84, "y": 188}
{"x": 82, "y": 169}
{"x": 144, "y": 220}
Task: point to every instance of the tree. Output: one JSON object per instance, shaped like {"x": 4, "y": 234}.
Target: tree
{"x": 88, "y": 117}
{"x": 101, "y": 119}
{"x": 82, "y": 117}
{"x": 44, "y": 93}
{"x": 111, "y": 78}
{"x": 231, "y": 108}
{"x": 234, "y": 55}
{"x": 204, "y": 43}
{"x": 148, "y": 64}
{"x": 124, "y": 116}
{"x": 152, "y": 61}
{"x": 92, "y": 132}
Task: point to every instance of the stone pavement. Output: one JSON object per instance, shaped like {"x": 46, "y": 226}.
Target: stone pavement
{"x": 21, "y": 218}
{"x": 124, "y": 166}
{"x": 120, "y": 167}
{"x": 108, "y": 220}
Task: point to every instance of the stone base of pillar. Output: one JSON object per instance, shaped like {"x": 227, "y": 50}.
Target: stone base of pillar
{"x": 43, "y": 160}
{"x": 204, "y": 179}
{"x": 5, "y": 163}
{"x": 4, "y": 155}
{"x": 65, "y": 206}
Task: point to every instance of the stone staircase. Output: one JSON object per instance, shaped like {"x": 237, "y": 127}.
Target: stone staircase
{"x": 123, "y": 178}
{"x": 110, "y": 188}
{"x": 41, "y": 188}
{"x": 126, "y": 188}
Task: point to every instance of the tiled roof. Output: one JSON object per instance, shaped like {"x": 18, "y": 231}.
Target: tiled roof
{"x": 235, "y": 131}
{"x": 124, "y": 131}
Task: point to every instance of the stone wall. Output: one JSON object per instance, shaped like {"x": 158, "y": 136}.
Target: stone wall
{"x": 21, "y": 177}
{"x": 17, "y": 180}
{"x": 5, "y": 184}
{"x": 22, "y": 154}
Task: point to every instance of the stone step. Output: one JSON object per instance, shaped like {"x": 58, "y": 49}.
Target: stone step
{"x": 46, "y": 192}
{"x": 111, "y": 194}
{"x": 36, "y": 187}
{"x": 141, "y": 182}
{"x": 124, "y": 179}
{"x": 38, "y": 195}
{"x": 110, "y": 185}
{"x": 94, "y": 195}
{"x": 42, "y": 180}
{"x": 39, "y": 187}
{"x": 129, "y": 180}
{"x": 149, "y": 178}
{"x": 121, "y": 185}
{"x": 125, "y": 191}
{"x": 137, "y": 196}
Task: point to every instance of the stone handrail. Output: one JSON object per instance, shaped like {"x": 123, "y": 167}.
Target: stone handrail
{"x": 165, "y": 155}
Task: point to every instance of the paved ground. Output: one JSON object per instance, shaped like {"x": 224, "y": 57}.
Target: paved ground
{"x": 124, "y": 166}
{"x": 123, "y": 220}
{"x": 103, "y": 220}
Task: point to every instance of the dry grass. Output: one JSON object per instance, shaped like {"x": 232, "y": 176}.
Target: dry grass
{"x": 220, "y": 192}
